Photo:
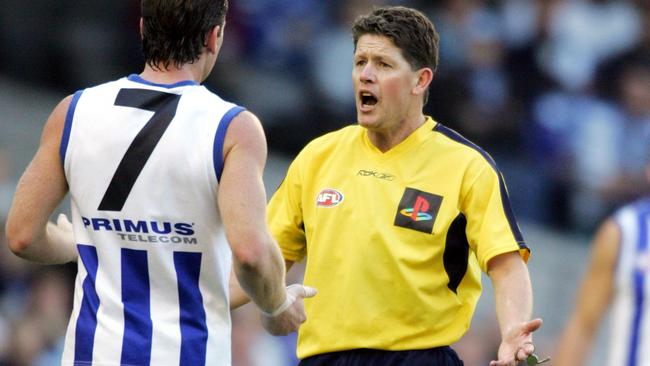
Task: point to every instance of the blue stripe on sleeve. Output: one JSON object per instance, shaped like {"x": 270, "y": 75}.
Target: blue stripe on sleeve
{"x": 639, "y": 289}
{"x": 194, "y": 330}
{"x": 87, "y": 320}
{"x": 136, "y": 344}
{"x": 68, "y": 125}
{"x": 217, "y": 152}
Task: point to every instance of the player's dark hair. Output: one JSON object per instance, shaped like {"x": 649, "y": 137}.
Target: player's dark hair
{"x": 175, "y": 31}
{"x": 410, "y": 30}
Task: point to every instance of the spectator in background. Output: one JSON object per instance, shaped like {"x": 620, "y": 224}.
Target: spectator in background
{"x": 273, "y": 41}
{"x": 596, "y": 148}
{"x": 583, "y": 34}
{"x": 34, "y": 305}
{"x": 456, "y": 19}
{"x": 609, "y": 72}
{"x": 526, "y": 28}
{"x": 576, "y": 147}
{"x": 487, "y": 102}
{"x": 626, "y": 81}
{"x": 573, "y": 133}
{"x": 616, "y": 278}
{"x": 630, "y": 181}
{"x": 471, "y": 59}
{"x": 487, "y": 115}
{"x": 332, "y": 77}
{"x": 37, "y": 333}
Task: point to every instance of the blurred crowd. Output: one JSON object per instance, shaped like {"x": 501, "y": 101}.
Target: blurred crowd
{"x": 557, "y": 91}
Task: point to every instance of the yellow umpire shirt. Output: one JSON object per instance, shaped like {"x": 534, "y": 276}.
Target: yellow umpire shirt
{"x": 396, "y": 241}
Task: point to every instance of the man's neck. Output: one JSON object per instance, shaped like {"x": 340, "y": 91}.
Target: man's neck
{"x": 386, "y": 140}
{"x": 173, "y": 74}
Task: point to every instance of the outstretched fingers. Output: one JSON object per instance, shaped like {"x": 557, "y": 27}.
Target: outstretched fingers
{"x": 532, "y": 325}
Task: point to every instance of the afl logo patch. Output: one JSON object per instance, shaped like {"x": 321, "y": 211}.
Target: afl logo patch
{"x": 329, "y": 198}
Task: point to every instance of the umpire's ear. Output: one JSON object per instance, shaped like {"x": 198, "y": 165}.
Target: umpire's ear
{"x": 422, "y": 80}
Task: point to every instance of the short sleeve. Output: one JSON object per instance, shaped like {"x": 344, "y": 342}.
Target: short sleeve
{"x": 491, "y": 226}
{"x": 285, "y": 216}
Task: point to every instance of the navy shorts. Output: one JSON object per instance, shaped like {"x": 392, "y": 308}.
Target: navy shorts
{"x": 439, "y": 356}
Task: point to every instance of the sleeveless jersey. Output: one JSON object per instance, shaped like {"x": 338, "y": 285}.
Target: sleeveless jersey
{"x": 143, "y": 162}
{"x": 630, "y": 325}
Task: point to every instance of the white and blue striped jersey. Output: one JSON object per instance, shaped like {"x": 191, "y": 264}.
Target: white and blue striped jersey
{"x": 143, "y": 162}
{"x": 630, "y": 316}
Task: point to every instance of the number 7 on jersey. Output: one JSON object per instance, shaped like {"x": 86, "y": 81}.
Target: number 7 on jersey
{"x": 164, "y": 106}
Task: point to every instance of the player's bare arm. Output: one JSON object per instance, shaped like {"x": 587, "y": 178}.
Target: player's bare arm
{"x": 40, "y": 190}
{"x": 593, "y": 298}
{"x": 242, "y": 200}
{"x": 514, "y": 302}
{"x": 258, "y": 263}
{"x": 237, "y": 295}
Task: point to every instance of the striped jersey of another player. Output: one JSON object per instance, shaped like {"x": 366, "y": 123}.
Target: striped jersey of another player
{"x": 630, "y": 317}
{"x": 143, "y": 162}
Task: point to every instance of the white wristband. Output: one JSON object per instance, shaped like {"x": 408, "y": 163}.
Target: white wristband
{"x": 285, "y": 305}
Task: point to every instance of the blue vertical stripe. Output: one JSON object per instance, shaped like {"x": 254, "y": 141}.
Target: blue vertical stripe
{"x": 87, "y": 320}
{"x": 194, "y": 330}
{"x": 217, "y": 148}
{"x": 639, "y": 288}
{"x": 65, "y": 137}
{"x": 136, "y": 344}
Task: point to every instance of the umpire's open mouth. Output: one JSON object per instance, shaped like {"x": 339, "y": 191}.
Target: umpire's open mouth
{"x": 367, "y": 100}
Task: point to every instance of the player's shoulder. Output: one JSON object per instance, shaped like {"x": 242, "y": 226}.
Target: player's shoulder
{"x": 245, "y": 130}
{"x": 109, "y": 84}
{"x": 203, "y": 91}
{"x": 59, "y": 113}
{"x": 245, "y": 121}
{"x": 326, "y": 144}
{"x": 334, "y": 138}
{"x": 451, "y": 140}
{"x": 101, "y": 91}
